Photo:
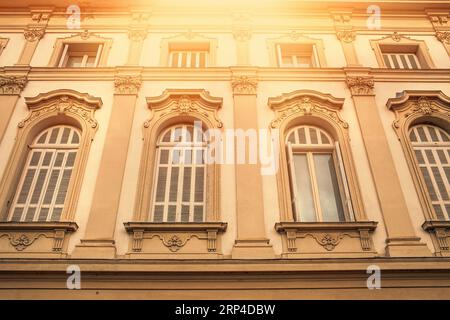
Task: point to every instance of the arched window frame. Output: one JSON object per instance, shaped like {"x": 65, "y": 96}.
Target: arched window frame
{"x": 182, "y": 142}
{"x": 312, "y": 108}
{"x": 310, "y": 149}
{"x": 413, "y": 107}
{"x": 47, "y": 154}
{"x": 59, "y": 107}
{"x": 175, "y": 107}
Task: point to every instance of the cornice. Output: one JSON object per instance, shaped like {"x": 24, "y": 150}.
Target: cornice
{"x": 226, "y": 74}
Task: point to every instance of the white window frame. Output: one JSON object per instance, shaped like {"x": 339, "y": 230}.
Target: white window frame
{"x": 430, "y": 147}
{"x": 44, "y": 148}
{"x": 181, "y": 146}
{"x": 66, "y": 54}
{"x": 188, "y": 54}
{"x": 314, "y": 58}
{"x": 309, "y": 150}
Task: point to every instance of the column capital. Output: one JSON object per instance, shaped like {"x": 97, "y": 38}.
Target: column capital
{"x": 347, "y": 35}
{"x": 242, "y": 33}
{"x": 443, "y": 36}
{"x": 34, "y": 33}
{"x": 137, "y": 33}
{"x": 244, "y": 84}
{"x": 12, "y": 85}
{"x": 127, "y": 84}
{"x": 360, "y": 85}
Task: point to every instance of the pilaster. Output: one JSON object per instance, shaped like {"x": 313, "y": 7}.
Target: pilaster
{"x": 99, "y": 236}
{"x": 401, "y": 238}
{"x": 441, "y": 25}
{"x": 33, "y": 33}
{"x": 12, "y": 81}
{"x": 346, "y": 35}
{"x": 251, "y": 241}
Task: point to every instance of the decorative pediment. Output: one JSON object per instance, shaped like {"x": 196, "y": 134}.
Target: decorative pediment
{"x": 192, "y": 102}
{"x": 412, "y": 104}
{"x": 81, "y": 105}
{"x": 306, "y": 102}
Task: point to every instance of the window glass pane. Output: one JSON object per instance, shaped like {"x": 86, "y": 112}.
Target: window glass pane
{"x": 74, "y": 62}
{"x": 305, "y": 201}
{"x": 90, "y": 62}
{"x": 329, "y": 195}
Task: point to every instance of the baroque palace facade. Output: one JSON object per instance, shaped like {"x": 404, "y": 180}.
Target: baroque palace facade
{"x": 103, "y": 166}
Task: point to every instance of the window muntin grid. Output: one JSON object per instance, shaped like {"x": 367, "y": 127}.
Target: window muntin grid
{"x": 431, "y": 146}
{"x": 180, "y": 177}
{"x": 319, "y": 187}
{"x": 43, "y": 186}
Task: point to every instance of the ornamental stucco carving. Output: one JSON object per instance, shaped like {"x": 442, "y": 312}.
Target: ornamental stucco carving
{"x": 32, "y": 34}
{"x": 244, "y": 85}
{"x": 127, "y": 84}
{"x": 361, "y": 85}
{"x": 12, "y": 84}
{"x": 347, "y": 36}
{"x": 307, "y": 106}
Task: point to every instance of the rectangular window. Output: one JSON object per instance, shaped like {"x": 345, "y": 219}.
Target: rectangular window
{"x": 192, "y": 55}
{"x": 80, "y": 55}
{"x": 297, "y": 56}
{"x": 401, "y": 61}
{"x": 402, "y": 56}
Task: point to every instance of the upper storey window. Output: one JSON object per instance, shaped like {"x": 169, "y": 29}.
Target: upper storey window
{"x": 84, "y": 50}
{"x": 297, "y": 55}
{"x": 80, "y": 55}
{"x": 403, "y": 57}
{"x": 189, "y": 55}
{"x": 401, "y": 52}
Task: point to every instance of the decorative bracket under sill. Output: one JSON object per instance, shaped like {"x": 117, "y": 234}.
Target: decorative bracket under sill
{"x": 327, "y": 234}
{"x": 169, "y": 233}
{"x": 21, "y": 235}
{"x": 441, "y": 230}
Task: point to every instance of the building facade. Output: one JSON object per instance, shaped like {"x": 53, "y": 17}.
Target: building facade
{"x": 263, "y": 149}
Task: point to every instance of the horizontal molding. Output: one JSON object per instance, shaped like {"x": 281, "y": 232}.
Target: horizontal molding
{"x": 38, "y": 226}
{"x": 225, "y": 74}
{"x": 176, "y": 226}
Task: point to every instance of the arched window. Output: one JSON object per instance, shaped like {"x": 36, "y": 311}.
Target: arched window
{"x": 431, "y": 147}
{"x": 42, "y": 188}
{"x": 180, "y": 176}
{"x": 319, "y": 187}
